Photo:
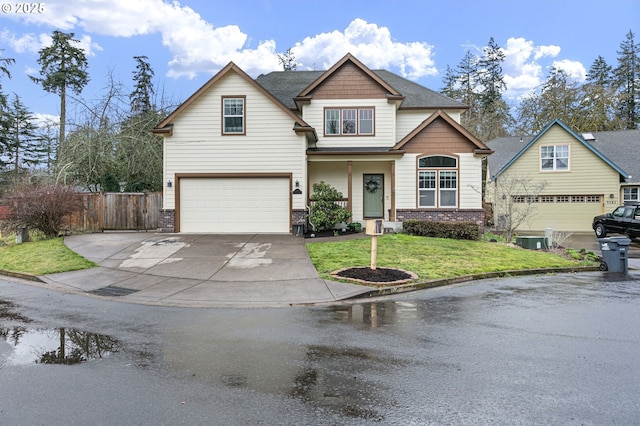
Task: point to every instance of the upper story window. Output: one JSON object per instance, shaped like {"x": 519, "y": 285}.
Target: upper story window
{"x": 348, "y": 121}
{"x": 233, "y": 122}
{"x": 554, "y": 157}
{"x": 437, "y": 181}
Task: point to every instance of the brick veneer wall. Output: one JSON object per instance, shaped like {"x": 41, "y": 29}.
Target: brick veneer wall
{"x": 453, "y": 215}
{"x": 167, "y": 220}
{"x": 299, "y": 217}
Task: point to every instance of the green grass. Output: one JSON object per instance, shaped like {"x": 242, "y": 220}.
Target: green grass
{"x": 41, "y": 258}
{"x": 433, "y": 258}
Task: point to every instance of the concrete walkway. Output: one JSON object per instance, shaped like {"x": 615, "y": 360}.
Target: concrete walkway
{"x": 200, "y": 270}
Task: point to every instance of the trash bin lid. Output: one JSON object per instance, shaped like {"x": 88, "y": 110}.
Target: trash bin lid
{"x": 621, "y": 241}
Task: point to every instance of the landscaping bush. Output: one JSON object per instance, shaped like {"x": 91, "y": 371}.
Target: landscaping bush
{"x": 325, "y": 211}
{"x": 43, "y": 207}
{"x": 435, "y": 229}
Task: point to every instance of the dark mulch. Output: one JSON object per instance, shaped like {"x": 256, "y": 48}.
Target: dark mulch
{"x": 327, "y": 234}
{"x": 378, "y": 275}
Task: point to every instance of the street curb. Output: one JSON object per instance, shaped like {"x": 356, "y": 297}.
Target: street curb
{"x": 21, "y": 275}
{"x": 386, "y": 291}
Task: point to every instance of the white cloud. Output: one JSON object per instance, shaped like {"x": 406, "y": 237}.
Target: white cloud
{"x": 524, "y": 64}
{"x": 573, "y": 69}
{"x": 197, "y": 46}
{"x": 372, "y": 45}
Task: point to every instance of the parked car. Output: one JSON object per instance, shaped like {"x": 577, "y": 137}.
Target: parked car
{"x": 623, "y": 220}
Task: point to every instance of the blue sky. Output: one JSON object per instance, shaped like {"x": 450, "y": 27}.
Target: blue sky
{"x": 189, "y": 41}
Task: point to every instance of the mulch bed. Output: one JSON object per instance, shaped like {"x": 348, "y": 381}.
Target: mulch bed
{"x": 378, "y": 276}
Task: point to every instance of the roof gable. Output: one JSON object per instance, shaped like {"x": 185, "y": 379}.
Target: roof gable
{"x": 349, "y": 62}
{"x": 164, "y": 127}
{"x": 574, "y": 135}
{"x": 474, "y": 145}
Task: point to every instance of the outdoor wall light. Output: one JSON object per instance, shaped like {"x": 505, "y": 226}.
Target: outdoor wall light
{"x": 297, "y": 184}
{"x": 612, "y": 196}
{"x": 169, "y": 183}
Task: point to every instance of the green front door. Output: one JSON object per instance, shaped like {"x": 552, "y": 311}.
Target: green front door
{"x": 373, "y": 198}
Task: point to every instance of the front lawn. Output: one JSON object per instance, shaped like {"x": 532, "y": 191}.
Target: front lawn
{"x": 433, "y": 258}
{"x": 41, "y": 258}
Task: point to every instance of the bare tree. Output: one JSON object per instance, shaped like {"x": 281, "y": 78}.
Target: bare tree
{"x": 515, "y": 200}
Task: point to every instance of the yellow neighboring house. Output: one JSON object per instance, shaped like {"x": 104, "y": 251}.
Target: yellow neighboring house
{"x": 561, "y": 179}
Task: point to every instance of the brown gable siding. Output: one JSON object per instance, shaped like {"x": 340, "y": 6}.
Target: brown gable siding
{"x": 349, "y": 82}
{"x": 437, "y": 138}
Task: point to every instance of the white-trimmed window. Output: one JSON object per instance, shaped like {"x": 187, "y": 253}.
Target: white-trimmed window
{"x": 554, "y": 157}
{"x": 438, "y": 182}
{"x": 631, "y": 194}
{"x": 233, "y": 122}
{"x": 349, "y": 121}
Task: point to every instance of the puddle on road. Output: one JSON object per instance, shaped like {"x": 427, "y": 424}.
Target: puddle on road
{"x": 23, "y": 345}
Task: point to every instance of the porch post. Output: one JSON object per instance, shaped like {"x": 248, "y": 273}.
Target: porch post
{"x": 349, "y": 185}
{"x": 392, "y": 211}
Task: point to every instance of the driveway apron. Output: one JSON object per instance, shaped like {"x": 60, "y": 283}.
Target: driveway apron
{"x": 259, "y": 270}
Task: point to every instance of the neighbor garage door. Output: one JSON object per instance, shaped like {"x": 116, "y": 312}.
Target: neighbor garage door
{"x": 235, "y": 205}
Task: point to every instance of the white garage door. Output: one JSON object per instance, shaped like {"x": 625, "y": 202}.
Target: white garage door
{"x": 235, "y": 205}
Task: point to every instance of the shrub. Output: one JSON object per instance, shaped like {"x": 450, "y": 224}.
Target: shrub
{"x": 43, "y": 207}
{"x": 354, "y": 227}
{"x": 325, "y": 211}
{"x": 435, "y": 229}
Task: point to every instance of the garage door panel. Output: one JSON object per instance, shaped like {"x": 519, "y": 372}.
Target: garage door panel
{"x": 235, "y": 205}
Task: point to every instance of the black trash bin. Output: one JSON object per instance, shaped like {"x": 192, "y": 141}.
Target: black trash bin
{"x": 615, "y": 254}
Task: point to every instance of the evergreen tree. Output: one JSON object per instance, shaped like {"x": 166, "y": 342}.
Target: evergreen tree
{"x": 63, "y": 66}
{"x": 138, "y": 151}
{"x": 143, "y": 93}
{"x": 4, "y": 71}
{"x": 494, "y": 112}
{"x": 24, "y": 147}
{"x": 598, "y": 99}
{"x": 627, "y": 77}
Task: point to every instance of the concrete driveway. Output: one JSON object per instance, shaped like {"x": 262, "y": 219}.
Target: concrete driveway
{"x": 199, "y": 270}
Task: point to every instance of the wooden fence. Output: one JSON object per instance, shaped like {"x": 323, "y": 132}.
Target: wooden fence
{"x": 122, "y": 211}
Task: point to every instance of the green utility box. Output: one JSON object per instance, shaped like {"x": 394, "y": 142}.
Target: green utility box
{"x": 532, "y": 243}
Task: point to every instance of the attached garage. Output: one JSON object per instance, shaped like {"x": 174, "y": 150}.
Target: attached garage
{"x": 234, "y": 204}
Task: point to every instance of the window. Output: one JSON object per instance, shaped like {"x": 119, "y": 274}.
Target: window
{"x": 438, "y": 186}
{"x": 365, "y": 121}
{"x": 332, "y": 122}
{"x": 427, "y": 189}
{"x": 562, "y": 199}
{"x": 233, "y": 116}
{"x": 348, "y": 121}
{"x": 631, "y": 194}
{"x": 554, "y": 157}
{"x": 593, "y": 198}
{"x": 578, "y": 199}
{"x": 546, "y": 198}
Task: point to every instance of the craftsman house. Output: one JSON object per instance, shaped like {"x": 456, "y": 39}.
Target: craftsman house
{"x": 582, "y": 175}
{"x": 242, "y": 155}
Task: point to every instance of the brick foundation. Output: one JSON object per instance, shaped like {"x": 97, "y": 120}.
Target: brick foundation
{"x": 453, "y": 215}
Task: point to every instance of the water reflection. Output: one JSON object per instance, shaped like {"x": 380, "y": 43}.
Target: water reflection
{"x": 378, "y": 314}
{"x": 20, "y": 345}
